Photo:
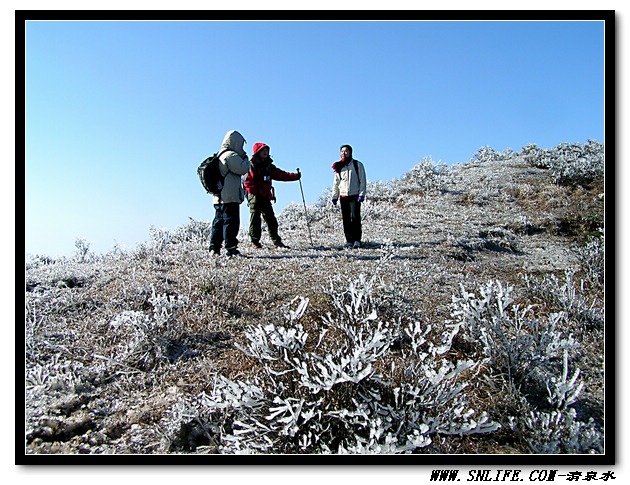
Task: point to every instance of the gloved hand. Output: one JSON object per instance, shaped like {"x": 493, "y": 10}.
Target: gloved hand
{"x": 334, "y": 201}
{"x": 360, "y": 199}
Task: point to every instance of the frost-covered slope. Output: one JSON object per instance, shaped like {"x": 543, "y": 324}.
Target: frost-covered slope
{"x": 141, "y": 351}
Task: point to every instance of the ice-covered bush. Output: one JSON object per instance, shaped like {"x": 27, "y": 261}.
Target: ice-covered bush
{"x": 568, "y": 297}
{"x": 424, "y": 177}
{"x": 578, "y": 163}
{"x": 43, "y": 273}
{"x": 160, "y": 237}
{"x": 521, "y": 348}
{"x": 535, "y": 156}
{"x": 57, "y": 375}
{"x": 556, "y": 428}
{"x": 382, "y": 191}
{"x": 569, "y": 164}
{"x": 341, "y": 386}
{"x": 294, "y": 217}
{"x": 193, "y": 232}
{"x": 559, "y": 432}
{"x": 489, "y": 154}
{"x": 82, "y": 253}
{"x": 533, "y": 358}
{"x": 197, "y": 232}
{"x": 591, "y": 258}
{"x": 142, "y": 341}
{"x": 323, "y": 214}
{"x": 493, "y": 239}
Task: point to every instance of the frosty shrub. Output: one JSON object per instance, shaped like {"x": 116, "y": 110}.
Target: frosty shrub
{"x": 577, "y": 164}
{"x": 536, "y": 157}
{"x": 568, "y": 297}
{"x": 524, "y": 351}
{"x": 197, "y": 232}
{"x": 492, "y": 239}
{"x": 82, "y": 253}
{"x": 193, "y": 232}
{"x": 142, "y": 341}
{"x": 489, "y": 154}
{"x": 424, "y": 177}
{"x": 557, "y": 429}
{"x": 569, "y": 164}
{"x": 382, "y": 191}
{"x": 591, "y": 258}
{"x": 60, "y": 273}
{"x": 325, "y": 197}
{"x": 293, "y": 217}
{"x": 341, "y": 386}
{"x": 57, "y": 375}
{"x": 560, "y": 432}
{"x": 532, "y": 358}
{"x": 372, "y": 210}
{"x": 160, "y": 237}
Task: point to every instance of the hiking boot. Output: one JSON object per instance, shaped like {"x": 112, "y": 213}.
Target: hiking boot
{"x": 357, "y": 244}
{"x": 214, "y": 253}
{"x": 348, "y": 245}
{"x": 234, "y": 252}
{"x": 256, "y": 245}
{"x": 280, "y": 245}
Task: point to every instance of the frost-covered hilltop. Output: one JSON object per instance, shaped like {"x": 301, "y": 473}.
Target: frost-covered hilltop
{"x": 472, "y": 321}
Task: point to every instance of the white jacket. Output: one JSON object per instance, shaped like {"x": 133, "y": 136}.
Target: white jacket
{"x": 348, "y": 182}
{"x": 234, "y": 164}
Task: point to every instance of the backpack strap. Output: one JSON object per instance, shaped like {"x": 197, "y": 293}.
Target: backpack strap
{"x": 356, "y": 169}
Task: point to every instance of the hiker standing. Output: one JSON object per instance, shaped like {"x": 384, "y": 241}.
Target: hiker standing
{"x": 260, "y": 194}
{"x": 226, "y": 223}
{"x": 349, "y": 187}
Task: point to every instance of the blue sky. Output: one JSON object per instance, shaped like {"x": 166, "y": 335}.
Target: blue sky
{"x": 120, "y": 114}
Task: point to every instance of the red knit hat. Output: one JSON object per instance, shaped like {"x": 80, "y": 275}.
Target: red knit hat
{"x": 259, "y": 146}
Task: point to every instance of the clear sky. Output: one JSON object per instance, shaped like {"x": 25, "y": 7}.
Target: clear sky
{"x": 120, "y": 114}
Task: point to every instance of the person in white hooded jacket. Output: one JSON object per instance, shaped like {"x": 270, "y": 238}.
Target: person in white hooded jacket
{"x": 226, "y": 223}
{"x": 349, "y": 186}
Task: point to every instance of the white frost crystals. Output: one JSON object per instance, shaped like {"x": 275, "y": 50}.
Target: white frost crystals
{"x": 144, "y": 340}
{"x": 530, "y": 358}
{"x": 329, "y": 395}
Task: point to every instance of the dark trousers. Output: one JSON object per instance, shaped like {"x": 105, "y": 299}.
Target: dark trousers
{"x": 258, "y": 207}
{"x": 351, "y": 216}
{"x": 225, "y": 226}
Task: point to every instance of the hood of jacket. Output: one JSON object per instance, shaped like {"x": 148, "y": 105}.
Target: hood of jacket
{"x": 258, "y": 146}
{"x": 234, "y": 141}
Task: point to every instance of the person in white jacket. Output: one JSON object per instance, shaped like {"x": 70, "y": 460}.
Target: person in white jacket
{"x": 227, "y": 221}
{"x": 349, "y": 187}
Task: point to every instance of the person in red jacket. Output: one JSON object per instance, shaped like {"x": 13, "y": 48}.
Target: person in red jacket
{"x": 260, "y": 194}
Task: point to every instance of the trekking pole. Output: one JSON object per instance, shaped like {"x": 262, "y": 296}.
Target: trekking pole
{"x": 305, "y": 213}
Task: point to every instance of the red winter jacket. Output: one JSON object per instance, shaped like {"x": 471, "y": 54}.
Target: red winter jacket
{"x": 262, "y": 172}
